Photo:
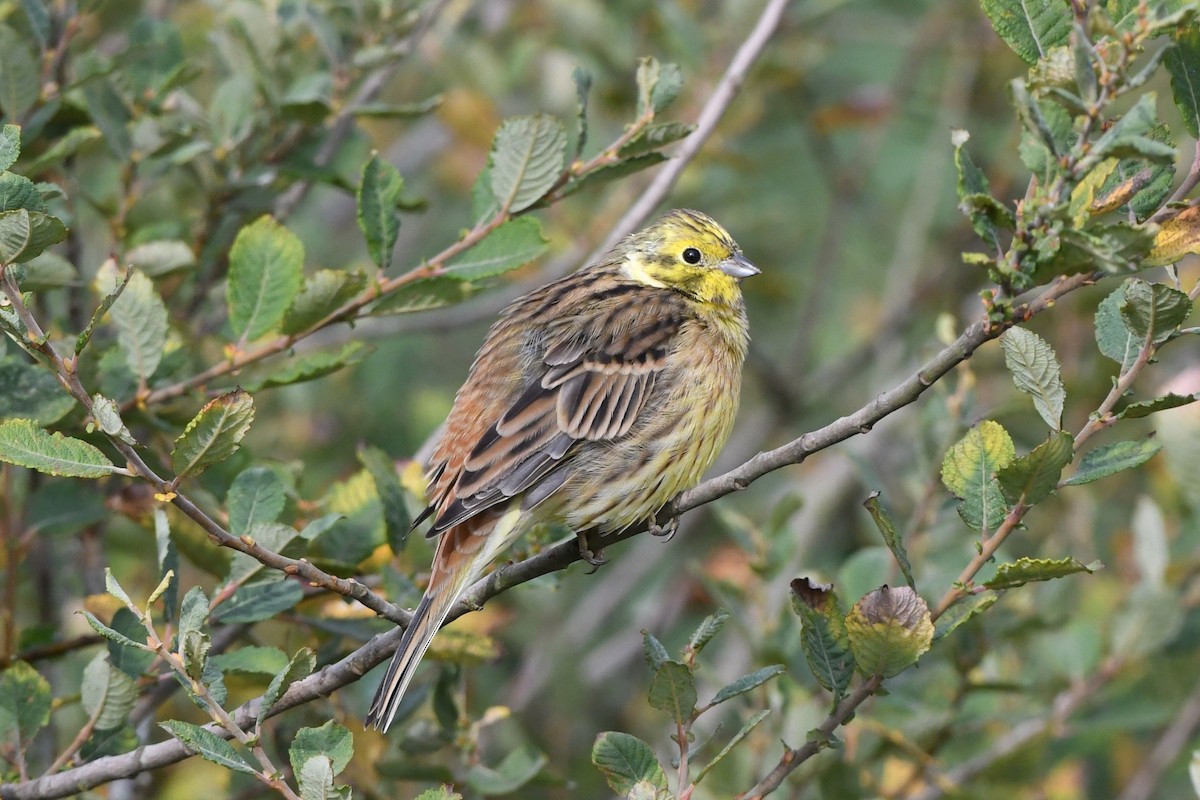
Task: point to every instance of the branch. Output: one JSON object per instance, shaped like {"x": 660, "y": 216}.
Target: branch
{"x": 706, "y": 123}
{"x": 1064, "y": 704}
{"x": 560, "y": 556}
{"x": 1142, "y": 785}
{"x": 368, "y": 90}
{"x": 69, "y": 378}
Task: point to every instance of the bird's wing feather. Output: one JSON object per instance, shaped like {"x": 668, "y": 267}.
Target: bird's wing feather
{"x": 590, "y": 383}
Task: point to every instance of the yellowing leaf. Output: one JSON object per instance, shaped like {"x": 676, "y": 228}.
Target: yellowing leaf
{"x": 987, "y": 444}
{"x": 214, "y": 434}
{"x": 1176, "y": 238}
{"x": 889, "y": 629}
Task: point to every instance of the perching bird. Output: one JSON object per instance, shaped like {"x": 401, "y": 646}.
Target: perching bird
{"x": 593, "y": 402}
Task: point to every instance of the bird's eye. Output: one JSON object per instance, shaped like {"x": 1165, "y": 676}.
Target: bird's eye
{"x": 691, "y": 255}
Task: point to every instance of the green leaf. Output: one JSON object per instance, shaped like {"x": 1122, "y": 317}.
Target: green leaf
{"x": 986, "y": 213}
{"x": 114, "y": 588}
{"x": 823, "y": 635}
{"x": 742, "y": 733}
{"x": 49, "y": 271}
{"x": 1034, "y": 477}
{"x": 252, "y": 660}
{"x": 658, "y": 84}
{"x": 324, "y": 292}
{"x": 654, "y": 137}
{"x": 969, "y": 472}
{"x": 301, "y": 666}
{"x": 214, "y": 434}
{"x": 18, "y": 192}
{"x": 1036, "y": 371}
{"x": 1023, "y": 570}
{"x": 1137, "y": 183}
{"x": 25, "y": 700}
{"x": 168, "y": 561}
{"x": 315, "y": 778}
{"x": 266, "y": 268}
{"x": 1151, "y": 549}
{"x": 1030, "y": 27}
{"x": 111, "y": 634}
{"x": 747, "y": 683}
{"x": 63, "y": 148}
{"x": 612, "y": 172}
{"x": 193, "y": 641}
{"x": 107, "y": 415}
{"x": 308, "y": 98}
{"x": 440, "y": 793}
{"x": 379, "y": 191}
{"x": 140, "y": 318}
{"x": 331, "y": 740}
{"x": 673, "y": 690}
{"x": 107, "y": 694}
{"x": 126, "y": 635}
{"x": 706, "y": 630}
{"x": 161, "y": 257}
{"x": 1151, "y": 618}
{"x": 112, "y": 116}
{"x": 30, "y": 391}
{"x": 1130, "y": 135}
{"x": 1147, "y": 407}
{"x": 1153, "y": 310}
{"x": 514, "y": 244}
{"x": 163, "y": 585}
{"x": 1182, "y": 61}
{"x": 527, "y": 160}
{"x": 60, "y": 508}
{"x": 391, "y": 494}
{"x": 889, "y": 629}
{"x": 311, "y": 366}
{"x": 399, "y": 110}
{"x": 516, "y": 769}
{"x": 26, "y": 234}
{"x": 101, "y": 310}
{"x": 583, "y": 87}
{"x": 891, "y": 537}
{"x": 207, "y": 745}
{"x": 1113, "y": 337}
{"x": 653, "y": 651}
{"x": 256, "y": 495}
{"x": 625, "y": 761}
{"x": 273, "y": 536}
{"x": 10, "y": 146}
{"x": 20, "y": 75}
{"x": 962, "y": 611}
{"x": 424, "y": 294}
{"x": 1113, "y": 458}
{"x": 25, "y": 444}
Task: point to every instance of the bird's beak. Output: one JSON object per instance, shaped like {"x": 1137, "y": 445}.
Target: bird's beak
{"x": 736, "y": 266}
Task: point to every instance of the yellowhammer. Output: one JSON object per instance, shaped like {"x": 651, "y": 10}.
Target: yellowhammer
{"x": 593, "y": 402}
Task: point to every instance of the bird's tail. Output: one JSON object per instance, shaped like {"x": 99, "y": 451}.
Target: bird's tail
{"x": 463, "y": 553}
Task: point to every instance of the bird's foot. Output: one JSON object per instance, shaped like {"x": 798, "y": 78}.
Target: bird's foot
{"x": 596, "y": 559}
{"x": 667, "y": 531}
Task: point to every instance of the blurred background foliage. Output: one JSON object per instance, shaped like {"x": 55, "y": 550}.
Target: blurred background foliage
{"x": 833, "y": 168}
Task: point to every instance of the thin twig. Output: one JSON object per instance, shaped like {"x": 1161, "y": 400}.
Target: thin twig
{"x": 560, "y": 556}
{"x": 1144, "y": 782}
{"x": 1064, "y": 704}
{"x": 706, "y": 123}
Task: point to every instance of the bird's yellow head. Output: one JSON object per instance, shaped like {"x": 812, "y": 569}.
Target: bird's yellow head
{"x": 691, "y": 253}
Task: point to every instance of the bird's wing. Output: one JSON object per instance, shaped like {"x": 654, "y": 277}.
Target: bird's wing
{"x": 590, "y": 383}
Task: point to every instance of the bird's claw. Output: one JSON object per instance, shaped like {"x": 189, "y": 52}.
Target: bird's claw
{"x": 667, "y": 531}
{"x": 595, "y": 559}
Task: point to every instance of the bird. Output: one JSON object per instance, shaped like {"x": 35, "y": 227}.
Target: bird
{"x": 593, "y": 401}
